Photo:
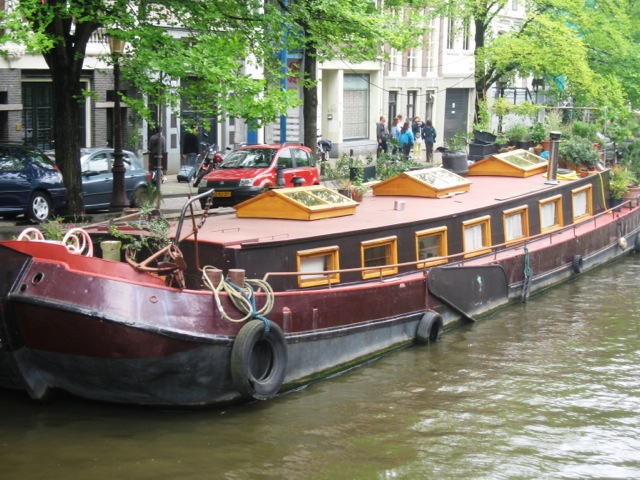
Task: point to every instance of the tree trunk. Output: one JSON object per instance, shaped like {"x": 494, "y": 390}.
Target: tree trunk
{"x": 310, "y": 99}
{"x": 66, "y": 84}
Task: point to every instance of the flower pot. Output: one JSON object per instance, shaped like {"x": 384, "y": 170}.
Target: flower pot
{"x": 456, "y": 161}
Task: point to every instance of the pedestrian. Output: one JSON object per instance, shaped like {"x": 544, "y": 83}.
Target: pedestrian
{"x": 429, "y": 134}
{"x": 417, "y": 128}
{"x": 190, "y": 146}
{"x": 382, "y": 133}
{"x": 395, "y": 134}
{"x": 406, "y": 139}
{"x": 157, "y": 148}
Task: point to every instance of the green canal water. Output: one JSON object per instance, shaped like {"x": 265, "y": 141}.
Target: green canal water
{"x": 546, "y": 390}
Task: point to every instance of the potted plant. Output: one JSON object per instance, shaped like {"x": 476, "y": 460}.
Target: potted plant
{"x": 578, "y": 152}
{"x": 518, "y": 135}
{"x": 620, "y": 181}
{"x": 454, "y": 155}
{"x": 538, "y": 135}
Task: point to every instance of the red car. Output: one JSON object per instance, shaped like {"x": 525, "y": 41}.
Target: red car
{"x": 250, "y": 170}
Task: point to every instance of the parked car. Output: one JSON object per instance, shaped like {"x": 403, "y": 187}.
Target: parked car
{"x": 97, "y": 179}
{"x": 30, "y": 183}
{"x": 250, "y": 170}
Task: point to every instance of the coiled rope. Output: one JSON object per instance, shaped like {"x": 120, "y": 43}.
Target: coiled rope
{"x": 243, "y": 298}
{"x": 527, "y": 276}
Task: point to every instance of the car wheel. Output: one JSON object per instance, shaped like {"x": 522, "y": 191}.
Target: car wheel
{"x": 39, "y": 207}
{"x": 137, "y": 197}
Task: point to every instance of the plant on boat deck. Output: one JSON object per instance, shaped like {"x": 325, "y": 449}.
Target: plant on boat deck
{"x": 630, "y": 157}
{"x": 578, "y": 151}
{"x": 154, "y": 232}
{"x": 620, "y": 181}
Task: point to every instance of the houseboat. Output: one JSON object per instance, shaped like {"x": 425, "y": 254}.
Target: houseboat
{"x": 298, "y": 283}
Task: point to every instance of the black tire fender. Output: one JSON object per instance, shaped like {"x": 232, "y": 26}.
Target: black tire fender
{"x": 259, "y": 361}
{"x": 636, "y": 244}
{"x": 576, "y": 264}
{"x": 429, "y": 328}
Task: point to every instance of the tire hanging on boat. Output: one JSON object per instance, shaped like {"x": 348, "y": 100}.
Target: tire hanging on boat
{"x": 259, "y": 360}
{"x": 576, "y": 264}
{"x": 429, "y": 328}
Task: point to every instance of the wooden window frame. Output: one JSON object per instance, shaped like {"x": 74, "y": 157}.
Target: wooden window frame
{"x": 557, "y": 199}
{"x": 589, "y": 190}
{"x": 485, "y": 221}
{"x": 524, "y": 210}
{"x": 334, "y": 259}
{"x": 440, "y": 232}
{"x": 391, "y": 258}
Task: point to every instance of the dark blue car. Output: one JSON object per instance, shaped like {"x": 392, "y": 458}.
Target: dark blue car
{"x": 30, "y": 184}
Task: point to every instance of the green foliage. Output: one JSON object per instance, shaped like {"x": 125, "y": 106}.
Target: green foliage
{"x": 154, "y": 236}
{"x": 620, "y": 181}
{"x": 585, "y": 130}
{"x": 630, "y": 157}
{"x": 539, "y": 133}
{"x": 390, "y": 166}
{"x": 517, "y": 132}
{"x": 54, "y": 229}
{"x": 483, "y": 117}
{"x": 458, "y": 142}
{"x": 578, "y": 151}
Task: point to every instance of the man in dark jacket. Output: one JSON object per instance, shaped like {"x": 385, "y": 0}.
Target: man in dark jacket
{"x": 190, "y": 146}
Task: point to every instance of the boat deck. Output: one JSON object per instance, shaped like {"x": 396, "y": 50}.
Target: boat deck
{"x": 376, "y": 212}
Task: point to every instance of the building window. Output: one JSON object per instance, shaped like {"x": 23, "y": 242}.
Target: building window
{"x": 516, "y": 224}
{"x": 466, "y": 35}
{"x": 356, "y": 106}
{"x": 413, "y": 62}
{"x": 514, "y": 5}
{"x": 429, "y": 47}
{"x": 393, "y": 106}
{"x": 581, "y": 203}
{"x": 395, "y": 62}
{"x": 476, "y": 235}
{"x": 432, "y": 245}
{"x": 451, "y": 34}
{"x": 378, "y": 253}
{"x": 550, "y": 213}
{"x": 428, "y": 104}
{"x": 412, "y": 95}
{"x": 318, "y": 260}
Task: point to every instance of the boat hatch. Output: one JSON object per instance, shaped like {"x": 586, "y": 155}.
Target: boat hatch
{"x": 299, "y": 203}
{"x": 428, "y": 182}
{"x": 516, "y": 163}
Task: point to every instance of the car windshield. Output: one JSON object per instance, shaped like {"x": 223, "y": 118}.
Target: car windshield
{"x": 249, "y": 158}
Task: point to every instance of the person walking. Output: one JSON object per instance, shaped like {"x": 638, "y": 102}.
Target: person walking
{"x": 157, "y": 148}
{"x": 406, "y": 139}
{"x": 395, "y": 133}
{"x": 190, "y": 146}
{"x": 382, "y": 133}
{"x": 417, "y": 128}
{"x": 429, "y": 134}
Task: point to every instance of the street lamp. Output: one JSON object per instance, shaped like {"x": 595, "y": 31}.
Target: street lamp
{"x": 118, "y": 195}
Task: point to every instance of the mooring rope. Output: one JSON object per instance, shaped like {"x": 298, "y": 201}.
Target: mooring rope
{"x": 243, "y": 298}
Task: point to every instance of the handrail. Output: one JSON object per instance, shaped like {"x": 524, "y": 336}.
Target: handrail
{"x": 457, "y": 258}
{"x": 188, "y": 203}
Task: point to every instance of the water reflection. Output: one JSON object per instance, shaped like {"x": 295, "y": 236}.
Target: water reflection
{"x": 543, "y": 390}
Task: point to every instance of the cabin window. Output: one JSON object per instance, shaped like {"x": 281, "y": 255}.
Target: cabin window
{"x": 432, "y": 245}
{"x": 581, "y": 203}
{"x": 551, "y": 213}
{"x": 318, "y": 260}
{"x": 516, "y": 224}
{"x": 378, "y": 253}
{"x": 476, "y": 235}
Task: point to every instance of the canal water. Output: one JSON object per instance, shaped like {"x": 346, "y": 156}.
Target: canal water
{"x": 546, "y": 390}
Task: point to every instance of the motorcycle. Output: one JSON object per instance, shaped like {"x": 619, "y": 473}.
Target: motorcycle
{"x": 210, "y": 159}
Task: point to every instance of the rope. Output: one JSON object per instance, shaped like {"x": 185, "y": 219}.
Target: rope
{"x": 527, "y": 276}
{"x": 243, "y": 299}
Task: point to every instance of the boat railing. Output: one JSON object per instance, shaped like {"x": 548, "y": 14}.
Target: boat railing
{"x": 457, "y": 259}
